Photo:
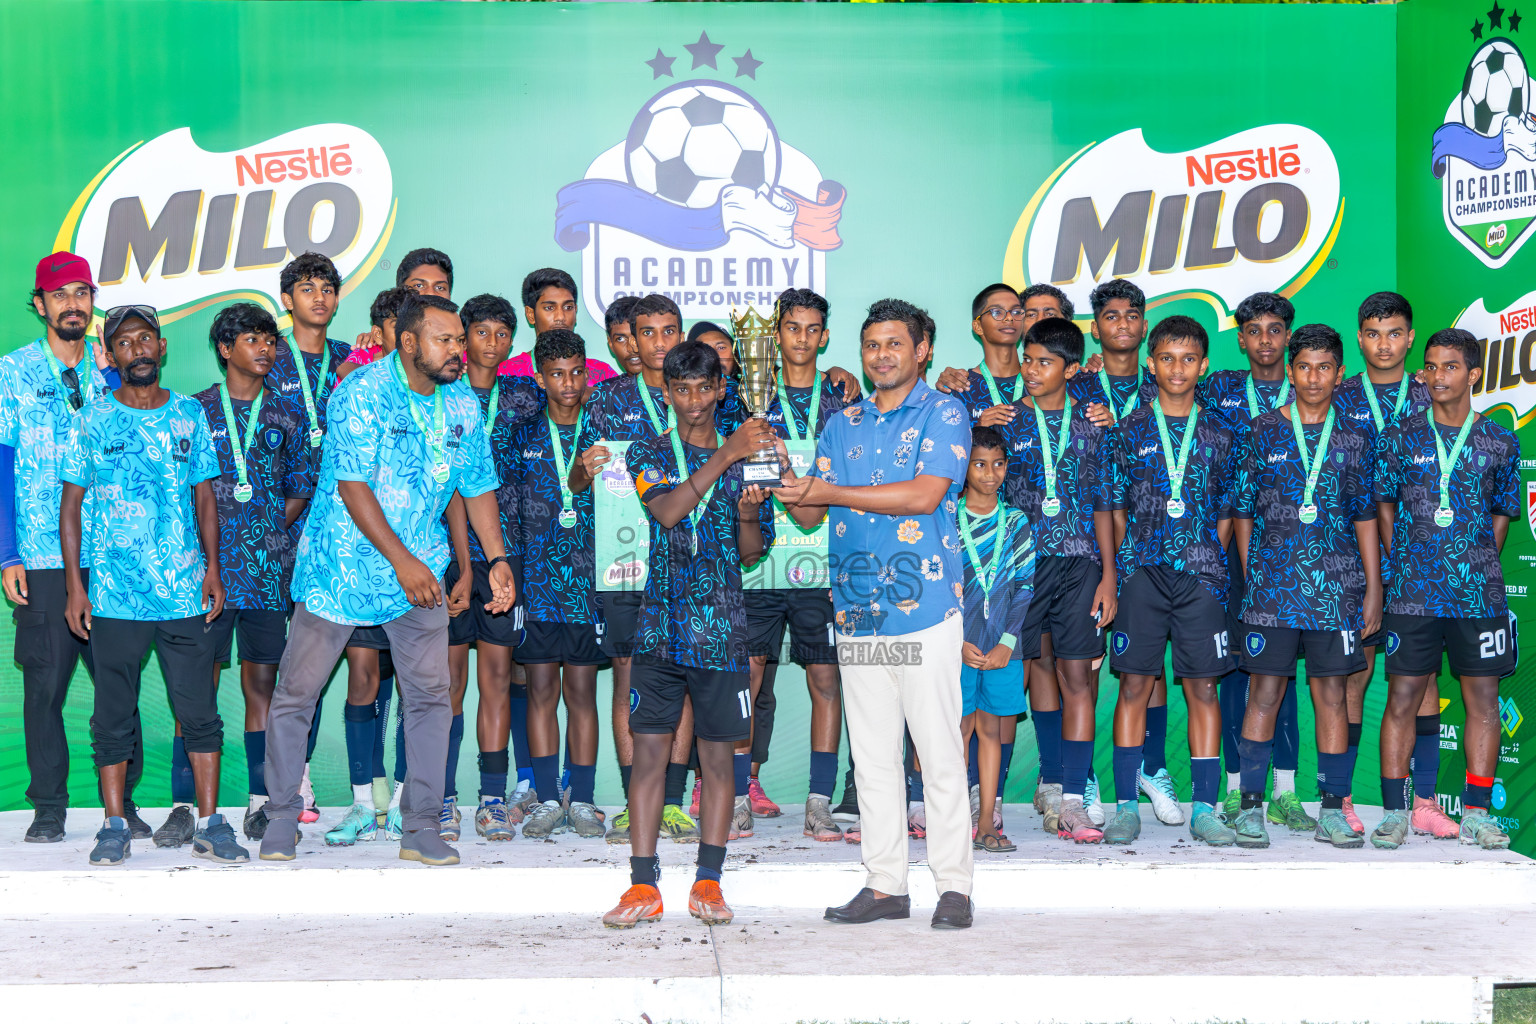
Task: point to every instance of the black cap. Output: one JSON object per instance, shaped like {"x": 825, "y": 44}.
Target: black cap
{"x": 117, "y": 315}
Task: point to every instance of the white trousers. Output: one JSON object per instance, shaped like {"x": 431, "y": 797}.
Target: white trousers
{"x": 894, "y": 684}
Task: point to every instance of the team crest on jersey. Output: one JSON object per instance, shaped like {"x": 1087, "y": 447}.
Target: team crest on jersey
{"x": 1393, "y": 642}
{"x": 272, "y": 438}
{"x": 1120, "y": 641}
{"x": 701, "y": 200}
{"x": 634, "y": 699}
{"x": 1254, "y": 642}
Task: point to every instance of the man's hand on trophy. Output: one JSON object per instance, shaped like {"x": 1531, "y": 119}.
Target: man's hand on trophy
{"x": 751, "y": 437}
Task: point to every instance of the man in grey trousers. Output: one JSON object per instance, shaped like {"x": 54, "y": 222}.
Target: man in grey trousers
{"x": 404, "y": 435}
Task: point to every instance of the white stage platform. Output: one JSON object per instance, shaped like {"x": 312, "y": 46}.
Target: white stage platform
{"x": 1165, "y": 930}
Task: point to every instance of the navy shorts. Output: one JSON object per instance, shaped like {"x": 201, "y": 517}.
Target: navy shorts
{"x": 1158, "y": 604}
{"x": 504, "y": 629}
{"x": 559, "y": 643}
{"x": 1062, "y": 606}
{"x": 1273, "y": 650}
{"x": 261, "y": 634}
{"x": 619, "y": 625}
{"x": 1472, "y": 647}
{"x": 807, "y": 613}
{"x": 722, "y": 701}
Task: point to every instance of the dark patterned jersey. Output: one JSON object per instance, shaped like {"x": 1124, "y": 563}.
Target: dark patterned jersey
{"x": 1225, "y": 393}
{"x": 1212, "y": 487}
{"x": 1084, "y": 478}
{"x": 557, "y": 560}
{"x": 616, "y": 413}
{"x": 1088, "y": 388}
{"x": 1351, "y": 401}
{"x": 977, "y": 397}
{"x": 255, "y": 548}
{"x": 519, "y": 400}
{"x": 1448, "y": 571}
{"x": 692, "y": 612}
{"x": 283, "y": 379}
{"x": 832, "y": 402}
{"x": 997, "y": 615}
{"x": 1305, "y": 575}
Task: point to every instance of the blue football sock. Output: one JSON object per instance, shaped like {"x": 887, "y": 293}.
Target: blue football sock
{"x": 1256, "y": 756}
{"x": 256, "y": 762}
{"x": 1002, "y": 768}
{"x": 823, "y": 773}
{"x": 741, "y": 765}
{"x": 711, "y": 860}
{"x": 973, "y": 761}
{"x": 183, "y": 791}
{"x": 1205, "y": 776}
{"x": 1076, "y": 755}
{"x": 1048, "y": 737}
{"x": 1332, "y": 778}
{"x": 520, "y": 730}
{"x": 1232, "y": 696}
{"x": 1287, "y": 732}
{"x": 914, "y": 786}
{"x": 1127, "y": 764}
{"x": 314, "y": 731}
{"x": 583, "y": 783}
{"x": 400, "y": 765}
{"x": 546, "y": 771}
{"x": 381, "y": 724}
{"x": 1394, "y": 793}
{"x": 1426, "y": 756}
{"x": 493, "y": 773}
{"x": 455, "y": 740}
{"x": 1352, "y": 754}
{"x": 358, "y": 721}
{"x": 1154, "y": 754}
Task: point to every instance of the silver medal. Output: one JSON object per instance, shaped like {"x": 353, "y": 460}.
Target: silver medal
{"x": 243, "y": 493}
{"x": 1176, "y": 508}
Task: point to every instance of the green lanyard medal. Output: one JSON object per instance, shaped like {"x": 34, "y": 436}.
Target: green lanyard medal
{"x": 240, "y": 448}
{"x": 997, "y": 397}
{"x": 316, "y": 435}
{"x": 1443, "y": 515}
{"x": 1050, "y": 505}
{"x": 682, "y": 474}
{"x": 437, "y": 436}
{"x": 811, "y": 418}
{"x": 986, "y": 570}
{"x": 1253, "y": 396}
{"x": 1130, "y": 403}
{"x": 562, "y": 466}
{"x": 1312, "y": 465}
{"x": 1176, "y": 467}
{"x": 1397, "y": 406}
{"x": 659, "y": 423}
{"x": 492, "y": 408}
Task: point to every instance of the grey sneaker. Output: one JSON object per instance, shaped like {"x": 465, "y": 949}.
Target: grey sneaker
{"x": 178, "y": 828}
{"x": 818, "y": 820}
{"x": 47, "y": 826}
{"x": 1048, "y": 801}
{"x": 1125, "y": 829}
{"x": 584, "y": 821}
{"x": 425, "y": 846}
{"x": 113, "y": 844}
{"x": 1334, "y": 828}
{"x": 217, "y": 843}
{"x": 1205, "y": 824}
{"x": 741, "y": 820}
{"x": 548, "y": 819}
{"x": 1392, "y": 832}
{"x": 1478, "y": 828}
{"x": 1072, "y": 823}
{"x": 1251, "y": 833}
{"x": 281, "y": 839}
{"x": 975, "y": 806}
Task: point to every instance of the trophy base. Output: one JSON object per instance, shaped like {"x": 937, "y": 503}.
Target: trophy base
{"x": 764, "y": 474}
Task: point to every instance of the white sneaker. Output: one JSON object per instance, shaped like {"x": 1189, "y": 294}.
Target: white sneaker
{"x": 1165, "y": 799}
{"x": 1091, "y": 804}
{"x": 310, "y": 812}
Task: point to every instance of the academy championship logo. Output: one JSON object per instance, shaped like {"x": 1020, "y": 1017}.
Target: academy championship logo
{"x": 702, "y": 201}
{"x": 1255, "y": 211}
{"x": 176, "y": 226}
{"x": 1530, "y": 505}
{"x": 1485, "y": 151}
{"x": 1508, "y": 361}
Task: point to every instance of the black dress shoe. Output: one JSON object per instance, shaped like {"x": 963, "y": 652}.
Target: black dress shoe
{"x": 137, "y": 826}
{"x": 953, "y": 911}
{"x": 866, "y": 907}
{"x": 47, "y": 825}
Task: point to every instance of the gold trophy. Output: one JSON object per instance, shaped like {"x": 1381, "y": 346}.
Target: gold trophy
{"x": 757, "y": 357}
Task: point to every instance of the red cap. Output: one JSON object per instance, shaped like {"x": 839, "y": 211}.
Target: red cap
{"x": 60, "y": 269}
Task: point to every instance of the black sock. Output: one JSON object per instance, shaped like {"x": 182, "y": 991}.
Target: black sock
{"x": 711, "y": 863}
{"x": 677, "y": 781}
{"x": 644, "y": 870}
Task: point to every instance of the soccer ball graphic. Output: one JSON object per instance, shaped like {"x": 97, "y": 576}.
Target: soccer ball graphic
{"x": 693, "y": 139}
{"x": 1496, "y": 85}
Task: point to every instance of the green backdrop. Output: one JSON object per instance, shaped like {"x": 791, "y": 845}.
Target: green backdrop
{"x": 721, "y": 153}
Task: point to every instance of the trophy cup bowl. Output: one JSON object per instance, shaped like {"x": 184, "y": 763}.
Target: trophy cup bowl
{"x": 757, "y": 358}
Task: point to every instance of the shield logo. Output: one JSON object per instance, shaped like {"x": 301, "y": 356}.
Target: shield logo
{"x": 1393, "y": 643}
{"x": 1255, "y": 643}
{"x": 634, "y": 699}
{"x": 1120, "y": 641}
{"x": 1530, "y": 505}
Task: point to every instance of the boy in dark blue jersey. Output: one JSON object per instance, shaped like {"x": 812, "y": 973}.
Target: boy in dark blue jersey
{"x": 997, "y": 318}
{"x": 1376, "y": 400}
{"x": 263, "y": 484}
{"x": 1177, "y": 481}
{"x": 1306, "y": 529}
{"x": 706, "y": 523}
{"x": 1060, "y": 476}
{"x": 554, "y": 534}
{"x": 621, "y": 341}
{"x": 1240, "y": 396}
{"x": 1447, "y": 485}
{"x": 998, "y": 582}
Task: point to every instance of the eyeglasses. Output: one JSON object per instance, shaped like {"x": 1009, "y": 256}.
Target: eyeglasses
{"x": 999, "y": 313}
{"x": 146, "y": 313}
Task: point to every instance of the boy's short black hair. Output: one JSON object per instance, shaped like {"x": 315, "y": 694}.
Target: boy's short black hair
{"x": 1117, "y": 288}
{"x": 1173, "y": 328}
{"x": 386, "y": 305}
{"x": 916, "y": 320}
{"x": 691, "y": 360}
{"x": 1315, "y": 336}
{"x": 1457, "y": 338}
{"x": 1035, "y": 290}
{"x": 234, "y": 320}
{"x": 1058, "y": 336}
{"x": 414, "y": 312}
{"x": 654, "y": 304}
{"x": 557, "y": 344}
{"x": 979, "y": 303}
{"x": 618, "y": 312}
{"x": 424, "y": 258}
{"x": 1265, "y": 304}
{"x": 987, "y": 437}
{"x": 302, "y": 268}
{"x": 546, "y": 277}
{"x": 489, "y": 307}
{"x": 801, "y": 298}
{"x": 1384, "y": 306}
{"x": 704, "y": 327}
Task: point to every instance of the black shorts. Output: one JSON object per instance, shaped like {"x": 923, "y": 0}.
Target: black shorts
{"x": 504, "y": 629}
{"x": 722, "y": 701}
{"x": 619, "y": 625}
{"x": 809, "y": 616}
{"x": 556, "y": 643}
{"x": 262, "y": 635}
{"x": 1062, "y": 606}
{"x": 1472, "y": 647}
{"x": 1273, "y": 650}
{"x": 1158, "y": 603}
{"x": 372, "y": 638}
